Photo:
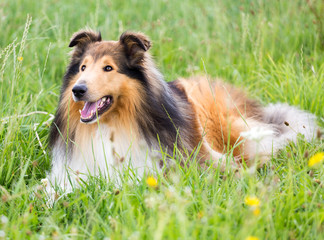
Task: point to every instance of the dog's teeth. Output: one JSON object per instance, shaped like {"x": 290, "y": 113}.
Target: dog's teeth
{"x": 104, "y": 99}
{"x": 80, "y": 111}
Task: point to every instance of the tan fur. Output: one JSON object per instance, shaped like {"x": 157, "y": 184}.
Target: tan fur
{"x": 219, "y": 107}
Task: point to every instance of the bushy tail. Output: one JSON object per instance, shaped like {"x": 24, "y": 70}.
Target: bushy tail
{"x": 281, "y": 124}
{"x": 288, "y": 121}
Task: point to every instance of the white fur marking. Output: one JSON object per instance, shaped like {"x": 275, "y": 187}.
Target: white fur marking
{"x": 98, "y": 154}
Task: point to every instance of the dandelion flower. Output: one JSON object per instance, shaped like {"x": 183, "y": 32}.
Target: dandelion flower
{"x": 44, "y": 181}
{"x": 20, "y": 59}
{"x": 252, "y": 201}
{"x": 152, "y": 182}
{"x": 251, "y": 238}
{"x": 200, "y": 214}
{"x": 2, "y": 234}
{"x": 256, "y": 211}
{"x": 316, "y": 159}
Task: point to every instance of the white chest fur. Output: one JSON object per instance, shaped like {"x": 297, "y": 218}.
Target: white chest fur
{"x": 103, "y": 151}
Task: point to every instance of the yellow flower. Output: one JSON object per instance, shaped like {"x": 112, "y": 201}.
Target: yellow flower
{"x": 251, "y": 238}
{"x": 200, "y": 214}
{"x": 152, "y": 182}
{"x": 256, "y": 211}
{"x": 316, "y": 159}
{"x": 20, "y": 59}
{"x": 252, "y": 201}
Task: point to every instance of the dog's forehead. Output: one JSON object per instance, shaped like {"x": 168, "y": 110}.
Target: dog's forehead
{"x": 99, "y": 49}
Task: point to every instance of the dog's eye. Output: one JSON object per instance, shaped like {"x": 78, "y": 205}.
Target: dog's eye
{"x": 83, "y": 68}
{"x": 108, "y": 68}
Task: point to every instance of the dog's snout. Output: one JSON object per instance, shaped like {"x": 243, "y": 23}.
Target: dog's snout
{"x": 79, "y": 90}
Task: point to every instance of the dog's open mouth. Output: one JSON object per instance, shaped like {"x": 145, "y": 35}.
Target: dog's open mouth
{"x": 92, "y": 110}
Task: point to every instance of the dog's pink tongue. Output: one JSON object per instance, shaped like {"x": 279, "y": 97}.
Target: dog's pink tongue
{"x": 88, "y": 107}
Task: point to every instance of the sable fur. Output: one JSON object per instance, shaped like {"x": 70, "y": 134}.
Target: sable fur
{"x": 147, "y": 113}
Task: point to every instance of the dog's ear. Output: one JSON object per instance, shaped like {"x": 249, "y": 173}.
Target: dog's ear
{"x": 135, "y": 44}
{"x": 84, "y": 37}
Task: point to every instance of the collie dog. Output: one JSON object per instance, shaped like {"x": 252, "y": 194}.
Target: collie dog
{"x": 116, "y": 111}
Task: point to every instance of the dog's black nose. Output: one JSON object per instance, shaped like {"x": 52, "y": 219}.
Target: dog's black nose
{"x": 79, "y": 90}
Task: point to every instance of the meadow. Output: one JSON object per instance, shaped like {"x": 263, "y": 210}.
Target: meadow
{"x": 272, "y": 49}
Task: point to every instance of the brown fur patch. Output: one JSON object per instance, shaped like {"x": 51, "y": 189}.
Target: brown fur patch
{"x": 218, "y": 106}
{"x": 112, "y": 137}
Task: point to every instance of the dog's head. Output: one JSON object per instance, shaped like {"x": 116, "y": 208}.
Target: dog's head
{"x": 108, "y": 71}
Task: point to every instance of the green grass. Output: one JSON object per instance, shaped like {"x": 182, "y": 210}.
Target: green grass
{"x": 267, "y": 47}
